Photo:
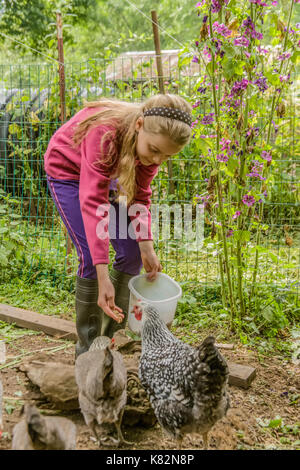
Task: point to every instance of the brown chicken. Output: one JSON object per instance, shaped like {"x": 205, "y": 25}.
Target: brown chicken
{"x": 37, "y": 432}
{"x": 101, "y": 378}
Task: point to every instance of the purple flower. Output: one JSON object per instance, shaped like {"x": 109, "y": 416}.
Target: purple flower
{"x": 261, "y": 83}
{"x": 215, "y": 6}
{"x": 229, "y": 233}
{"x": 204, "y": 200}
{"x": 226, "y": 145}
{"x": 238, "y": 87}
{"x": 252, "y": 132}
{"x": 220, "y": 28}
{"x": 262, "y": 50}
{"x": 266, "y": 156}
{"x": 196, "y": 43}
{"x": 283, "y": 56}
{"x": 256, "y": 170}
{"x": 284, "y": 78}
{"x": 195, "y": 105}
{"x": 201, "y": 89}
{"x": 199, "y": 4}
{"x": 206, "y": 52}
{"x": 248, "y": 200}
{"x": 205, "y": 19}
{"x": 195, "y": 59}
{"x": 259, "y": 2}
{"x": 250, "y": 29}
{"x": 222, "y": 158}
{"x": 248, "y": 23}
{"x": 275, "y": 127}
{"x": 208, "y": 119}
{"x": 241, "y": 41}
{"x": 236, "y": 215}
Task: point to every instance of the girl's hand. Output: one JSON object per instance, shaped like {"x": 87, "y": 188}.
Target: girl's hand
{"x": 106, "y": 295}
{"x": 150, "y": 260}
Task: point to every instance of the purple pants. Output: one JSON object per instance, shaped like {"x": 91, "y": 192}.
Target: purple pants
{"x": 65, "y": 194}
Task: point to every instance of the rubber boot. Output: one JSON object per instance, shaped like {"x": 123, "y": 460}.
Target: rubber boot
{"x": 88, "y": 314}
{"x": 120, "y": 282}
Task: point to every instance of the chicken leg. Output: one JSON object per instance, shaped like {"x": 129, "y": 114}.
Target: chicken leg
{"x": 93, "y": 426}
{"x": 179, "y": 443}
{"x": 118, "y": 428}
{"x": 205, "y": 440}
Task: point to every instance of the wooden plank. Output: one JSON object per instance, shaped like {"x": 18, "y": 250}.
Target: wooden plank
{"x": 53, "y": 326}
{"x": 241, "y": 375}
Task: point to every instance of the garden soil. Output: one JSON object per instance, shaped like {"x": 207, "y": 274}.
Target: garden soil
{"x": 274, "y": 392}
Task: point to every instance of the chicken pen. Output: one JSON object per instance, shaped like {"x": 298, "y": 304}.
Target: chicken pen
{"x": 30, "y": 113}
{"x": 34, "y": 245}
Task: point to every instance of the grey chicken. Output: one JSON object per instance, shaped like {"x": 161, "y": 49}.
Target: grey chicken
{"x": 101, "y": 378}
{"x": 37, "y": 432}
{"x": 186, "y": 386}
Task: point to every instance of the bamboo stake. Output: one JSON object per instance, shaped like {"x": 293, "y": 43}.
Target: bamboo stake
{"x": 62, "y": 97}
{"x": 158, "y": 52}
{"x": 160, "y": 74}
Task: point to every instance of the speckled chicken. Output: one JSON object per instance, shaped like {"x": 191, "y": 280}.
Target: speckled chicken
{"x": 186, "y": 385}
{"x": 101, "y": 377}
{"x": 36, "y": 432}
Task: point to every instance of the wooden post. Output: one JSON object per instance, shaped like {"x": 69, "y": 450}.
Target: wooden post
{"x": 62, "y": 97}
{"x": 159, "y": 66}
{"x": 160, "y": 74}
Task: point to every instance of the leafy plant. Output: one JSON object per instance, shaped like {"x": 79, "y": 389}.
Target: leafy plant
{"x": 244, "y": 87}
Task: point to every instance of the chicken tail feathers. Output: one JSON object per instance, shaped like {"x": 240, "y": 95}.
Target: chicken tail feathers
{"x": 210, "y": 355}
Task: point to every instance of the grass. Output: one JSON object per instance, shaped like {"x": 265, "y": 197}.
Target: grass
{"x": 41, "y": 297}
{"x": 199, "y": 313}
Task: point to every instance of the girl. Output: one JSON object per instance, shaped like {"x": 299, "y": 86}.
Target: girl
{"x": 106, "y": 152}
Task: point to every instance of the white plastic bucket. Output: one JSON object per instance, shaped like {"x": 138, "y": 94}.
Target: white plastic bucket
{"x": 163, "y": 293}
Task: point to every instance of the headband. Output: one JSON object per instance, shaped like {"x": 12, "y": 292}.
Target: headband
{"x": 172, "y": 113}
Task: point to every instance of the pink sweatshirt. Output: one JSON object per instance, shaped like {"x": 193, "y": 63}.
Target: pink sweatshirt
{"x": 62, "y": 161}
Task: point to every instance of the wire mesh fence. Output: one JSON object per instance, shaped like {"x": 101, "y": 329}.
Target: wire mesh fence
{"x": 31, "y": 233}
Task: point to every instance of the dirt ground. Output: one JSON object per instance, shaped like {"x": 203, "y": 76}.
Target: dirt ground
{"x": 274, "y": 392}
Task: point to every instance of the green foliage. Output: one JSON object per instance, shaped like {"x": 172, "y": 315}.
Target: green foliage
{"x": 33, "y": 22}
{"x": 246, "y": 87}
{"x": 90, "y": 26}
{"x": 277, "y": 428}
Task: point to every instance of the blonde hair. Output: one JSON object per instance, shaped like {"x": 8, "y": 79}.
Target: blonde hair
{"x": 122, "y": 116}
